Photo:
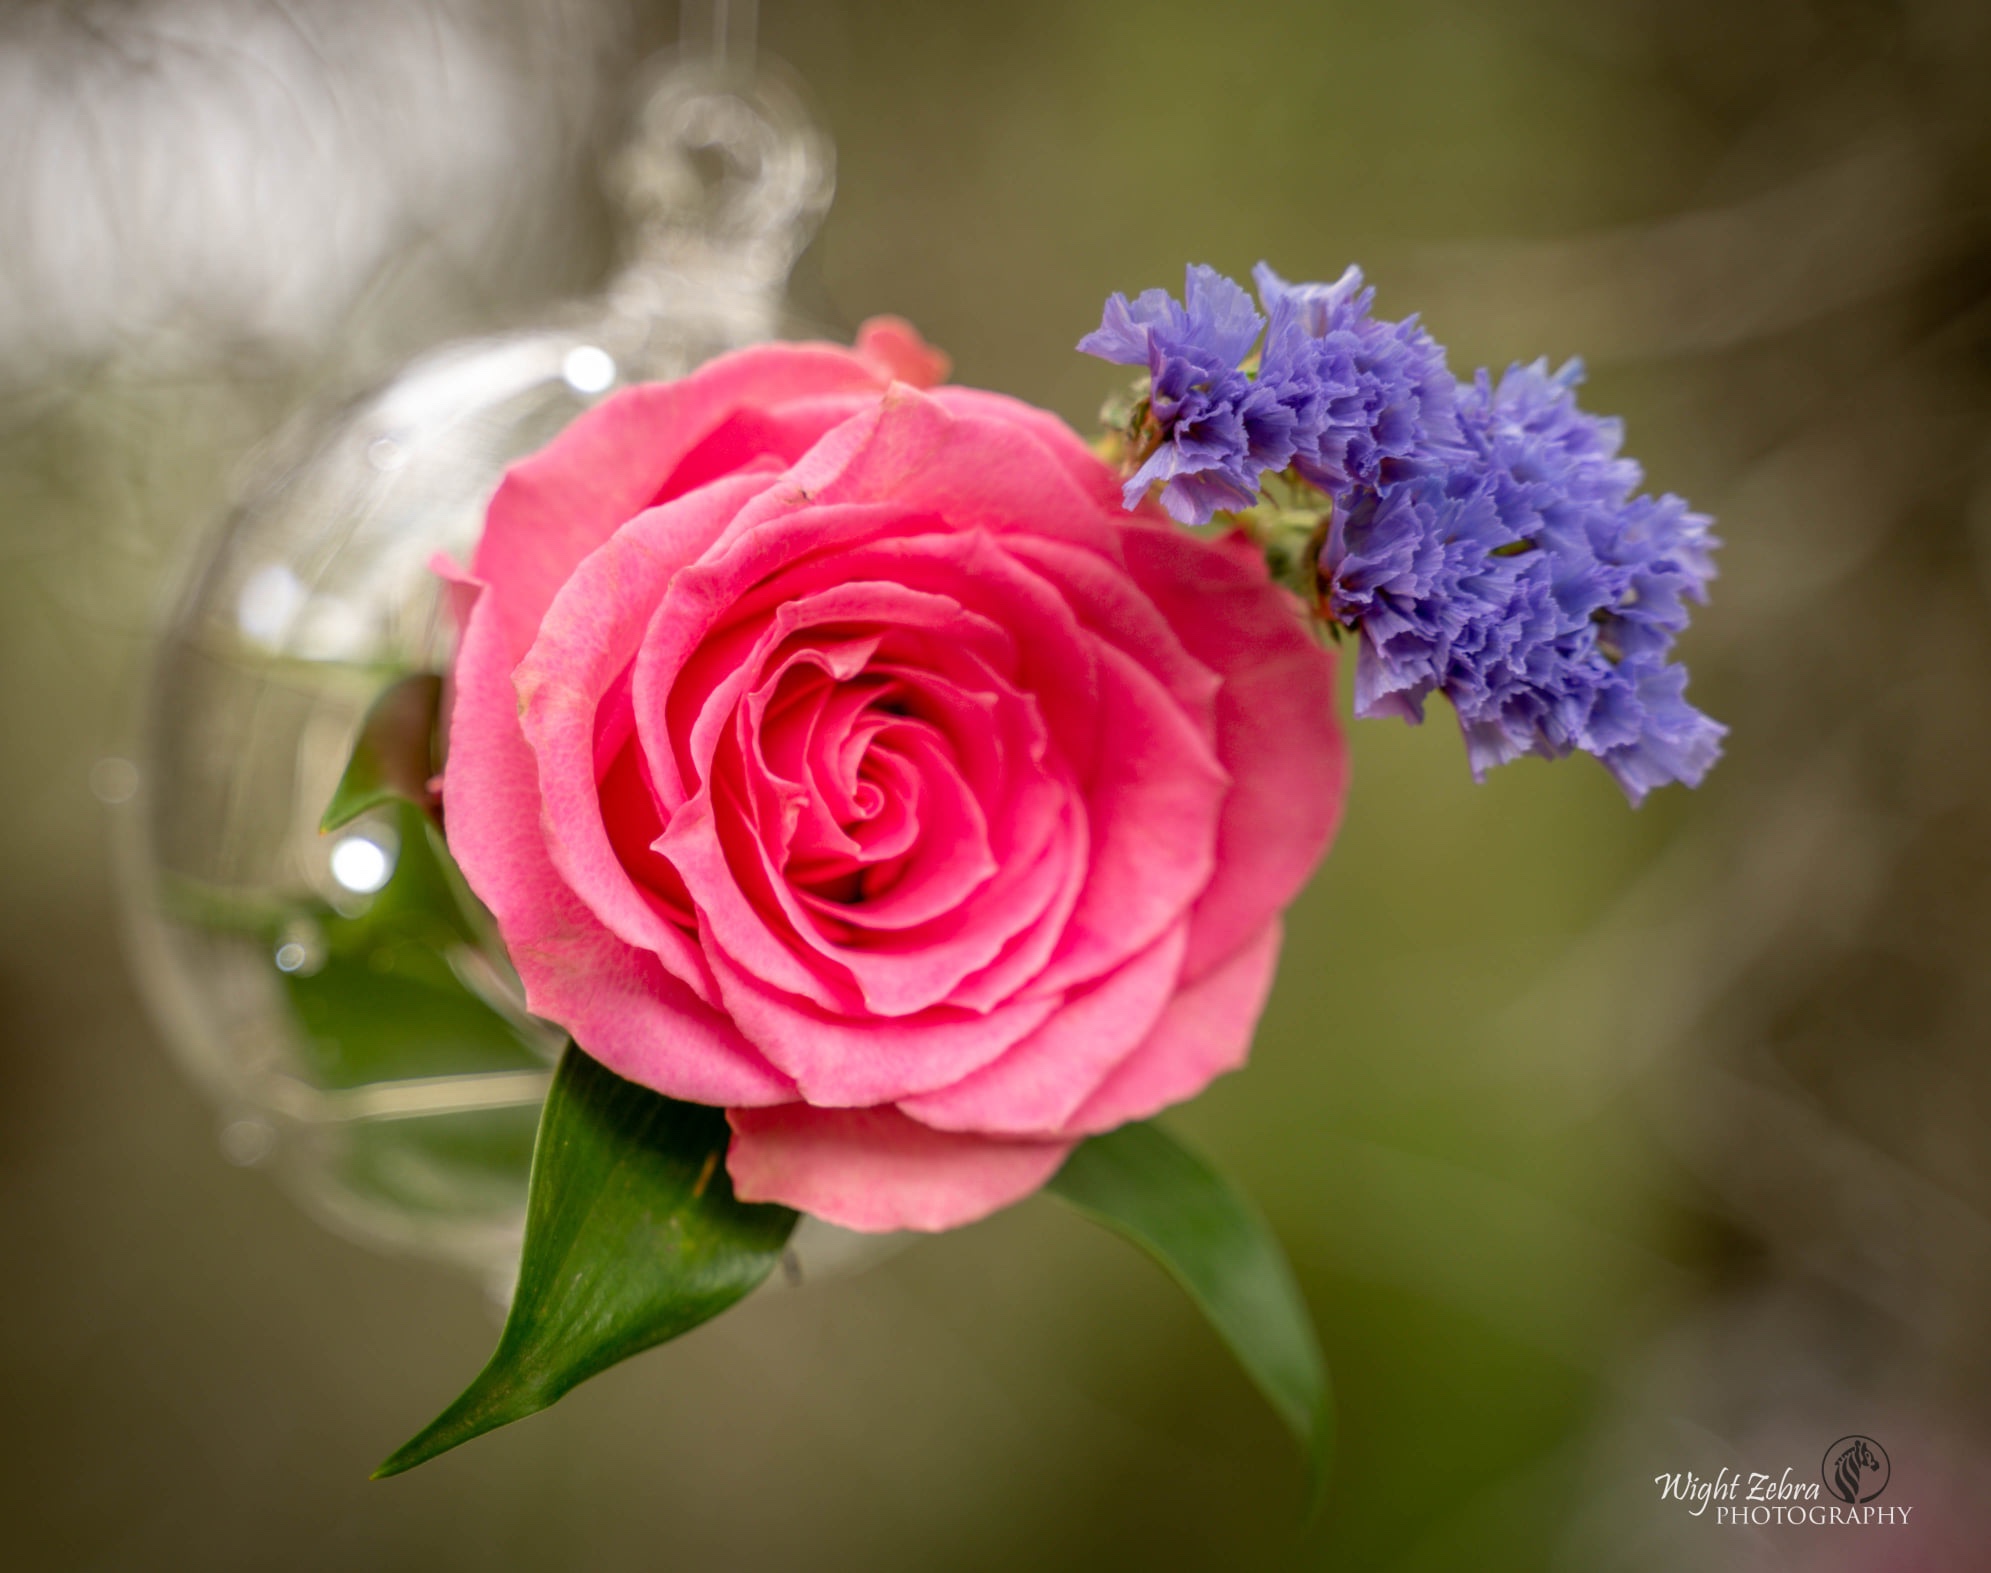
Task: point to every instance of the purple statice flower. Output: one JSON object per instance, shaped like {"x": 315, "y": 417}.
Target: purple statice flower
{"x": 1341, "y": 398}
{"x": 1523, "y": 581}
{"x": 1370, "y": 401}
{"x": 1193, "y": 350}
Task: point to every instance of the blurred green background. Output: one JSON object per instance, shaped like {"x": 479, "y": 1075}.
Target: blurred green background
{"x": 1606, "y": 1143}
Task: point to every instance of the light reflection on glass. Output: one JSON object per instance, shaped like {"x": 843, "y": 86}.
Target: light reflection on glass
{"x": 588, "y": 369}
{"x": 113, "y": 780}
{"x": 248, "y": 1142}
{"x": 361, "y": 865}
{"x": 270, "y": 597}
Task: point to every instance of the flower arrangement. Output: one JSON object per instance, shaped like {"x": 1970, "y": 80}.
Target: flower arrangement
{"x": 894, "y": 798}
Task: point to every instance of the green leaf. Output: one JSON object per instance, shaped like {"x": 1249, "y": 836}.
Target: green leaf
{"x": 1141, "y": 1183}
{"x": 632, "y": 1236}
{"x": 359, "y": 1025}
{"x": 409, "y": 983}
{"x": 395, "y": 756}
{"x": 385, "y": 994}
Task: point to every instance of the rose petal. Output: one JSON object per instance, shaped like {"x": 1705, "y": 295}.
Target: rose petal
{"x": 1277, "y": 729}
{"x": 616, "y": 1000}
{"x": 1154, "y": 807}
{"x": 875, "y": 1170}
{"x": 586, "y": 642}
{"x": 1060, "y": 444}
{"x": 1205, "y": 1031}
{"x": 897, "y": 450}
{"x": 740, "y": 888}
{"x": 1110, "y": 603}
{"x": 615, "y": 460}
{"x": 894, "y": 348}
{"x": 711, "y": 841}
{"x": 926, "y": 874}
{"x": 1015, "y": 620}
{"x": 710, "y": 626}
{"x": 843, "y": 1061}
{"x": 960, "y": 461}
{"x": 1036, "y": 1086}
{"x": 757, "y": 916}
{"x": 629, "y": 811}
{"x": 1044, "y": 864}
{"x": 765, "y": 438}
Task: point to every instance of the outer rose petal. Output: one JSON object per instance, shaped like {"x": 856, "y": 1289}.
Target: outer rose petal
{"x": 587, "y": 637}
{"x": 1042, "y": 1081}
{"x": 618, "y": 1001}
{"x": 846, "y": 1062}
{"x": 617, "y": 459}
{"x": 1205, "y": 1031}
{"x": 893, "y": 345}
{"x": 874, "y": 1170}
{"x": 971, "y": 470}
{"x": 1277, "y": 731}
{"x": 1065, "y": 447}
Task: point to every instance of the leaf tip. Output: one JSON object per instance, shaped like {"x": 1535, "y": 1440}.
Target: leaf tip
{"x": 396, "y": 1463}
{"x": 431, "y": 1442}
{"x": 337, "y": 816}
{"x": 483, "y": 1406}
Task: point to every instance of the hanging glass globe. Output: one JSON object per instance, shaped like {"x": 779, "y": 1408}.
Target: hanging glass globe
{"x": 341, "y": 997}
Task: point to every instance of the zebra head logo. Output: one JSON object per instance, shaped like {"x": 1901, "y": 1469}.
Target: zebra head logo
{"x": 1855, "y": 1469}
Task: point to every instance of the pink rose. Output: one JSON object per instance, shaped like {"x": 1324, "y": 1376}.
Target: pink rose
{"x": 843, "y": 754}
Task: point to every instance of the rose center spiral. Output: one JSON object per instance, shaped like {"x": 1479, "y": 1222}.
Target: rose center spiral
{"x": 868, "y": 762}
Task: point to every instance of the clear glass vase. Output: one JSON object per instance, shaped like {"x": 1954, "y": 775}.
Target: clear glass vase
{"x": 341, "y": 997}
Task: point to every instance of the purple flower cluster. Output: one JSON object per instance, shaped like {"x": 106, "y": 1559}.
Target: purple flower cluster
{"x": 1199, "y": 397}
{"x": 1340, "y": 398}
{"x": 1487, "y": 542}
{"x": 1532, "y": 588}
{"x": 1370, "y": 403}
